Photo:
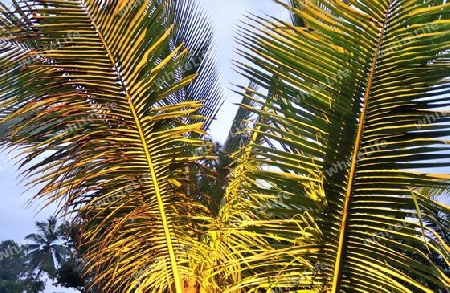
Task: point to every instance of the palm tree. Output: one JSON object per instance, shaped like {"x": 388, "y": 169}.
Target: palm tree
{"x": 320, "y": 194}
{"x": 13, "y": 270}
{"x": 172, "y": 38}
{"x": 72, "y": 271}
{"x": 45, "y": 252}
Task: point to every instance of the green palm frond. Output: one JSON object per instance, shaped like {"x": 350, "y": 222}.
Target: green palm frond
{"x": 437, "y": 192}
{"x": 237, "y": 136}
{"x": 214, "y": 173}
{"x": 190, "y": 18}
{"x": 92, "y": 86}
{"x": 347, "y": 141}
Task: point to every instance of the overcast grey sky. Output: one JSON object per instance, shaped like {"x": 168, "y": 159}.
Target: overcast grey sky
{"x": 16, "y": 221}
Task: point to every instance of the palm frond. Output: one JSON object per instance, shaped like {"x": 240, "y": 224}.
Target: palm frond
{"x": 85, "y": 82}
{"x": 347, "y": 145}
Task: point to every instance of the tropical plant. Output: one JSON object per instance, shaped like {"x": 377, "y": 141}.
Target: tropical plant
{"x": 45, "y": 249}
{"x": 14, "y": 270}
{"x": 158, "y": 71}
{"x": 321, "y": 192}
{"x": 439, "y": 224}
{"x": 72, "y": 272}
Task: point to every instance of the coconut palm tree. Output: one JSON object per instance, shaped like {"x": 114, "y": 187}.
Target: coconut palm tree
{"x": 342, "y": 116}
{"x": 172, "y": 38}
{"x": 14, "y": 269}
{"x": 45, "y": 250}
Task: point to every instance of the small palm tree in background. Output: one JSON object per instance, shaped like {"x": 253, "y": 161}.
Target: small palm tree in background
{"x": 45, "y": 250}
{"x": 320, "y": 186}
{"x": 14, "y": 270}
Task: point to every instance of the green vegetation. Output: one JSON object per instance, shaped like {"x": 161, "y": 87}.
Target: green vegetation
{"x": 21, "y": 266}
{"x": 322, "y": 185}
{"x": 14, "y": 277}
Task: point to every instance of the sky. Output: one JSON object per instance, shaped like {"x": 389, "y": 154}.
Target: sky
{"x": 17, "y": 218}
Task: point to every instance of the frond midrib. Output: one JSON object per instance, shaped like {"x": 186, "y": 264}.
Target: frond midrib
{"x": 145, "y": 147}
{"x": 340, "y": 256}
